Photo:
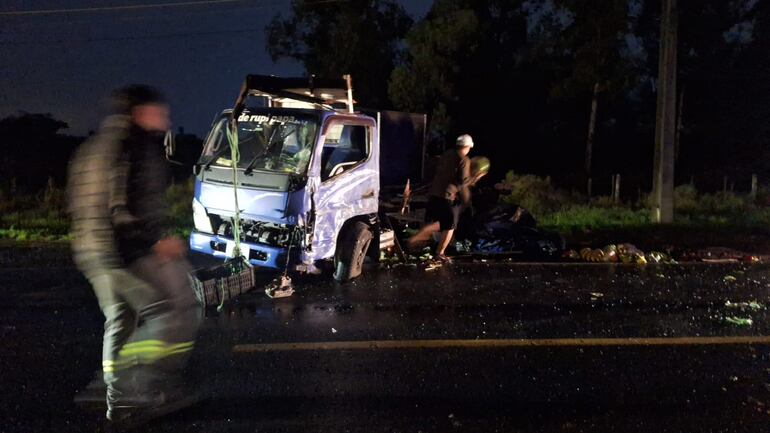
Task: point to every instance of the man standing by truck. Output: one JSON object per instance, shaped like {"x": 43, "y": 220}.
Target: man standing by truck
{"x": 115, "y": 192}
{"x": 448, "y": 193}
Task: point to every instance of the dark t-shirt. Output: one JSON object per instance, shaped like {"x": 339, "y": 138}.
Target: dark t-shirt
{"x": 453, "y": 174}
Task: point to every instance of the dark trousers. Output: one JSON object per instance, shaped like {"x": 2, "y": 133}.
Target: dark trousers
{"x": 151, "y": 320}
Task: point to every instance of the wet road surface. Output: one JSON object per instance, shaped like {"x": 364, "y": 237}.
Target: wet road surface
{"x": 468, "y": 347}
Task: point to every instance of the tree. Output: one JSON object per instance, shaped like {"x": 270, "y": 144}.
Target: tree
{"x": 724, "y": 63}
{"x": 538, "y": 60}
{"x": 32, "y": 149}
{"x": 586, "y": 41}
{"x": 438, "y": 47}
{"x": 357, "y": 37}
{"x": 464, "y": 61}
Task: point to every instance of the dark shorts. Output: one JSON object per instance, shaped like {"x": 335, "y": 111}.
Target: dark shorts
{"x": 443, "y": 211}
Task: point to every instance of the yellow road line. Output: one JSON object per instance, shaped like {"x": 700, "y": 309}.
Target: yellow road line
{"x": 492, "y": 343}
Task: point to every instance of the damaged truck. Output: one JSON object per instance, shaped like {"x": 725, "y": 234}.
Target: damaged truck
{"x": 305, "y": 176}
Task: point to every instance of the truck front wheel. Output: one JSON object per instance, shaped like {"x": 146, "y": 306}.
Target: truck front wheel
{"x": 351, "y": 251}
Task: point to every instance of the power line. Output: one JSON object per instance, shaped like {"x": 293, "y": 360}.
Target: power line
{"x": 116, "y": 8}
{"x": 131, "y": 38}
{"x": 138, "y": 6}
{"x": 155, "y": 36}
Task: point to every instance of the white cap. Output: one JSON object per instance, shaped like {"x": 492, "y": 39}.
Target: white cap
{"x": 464, "y": 140}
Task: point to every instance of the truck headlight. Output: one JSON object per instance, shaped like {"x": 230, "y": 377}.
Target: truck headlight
{"x": 201, "y": 218}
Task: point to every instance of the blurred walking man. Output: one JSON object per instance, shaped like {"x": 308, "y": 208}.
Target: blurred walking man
{"x": 115, "y": 190}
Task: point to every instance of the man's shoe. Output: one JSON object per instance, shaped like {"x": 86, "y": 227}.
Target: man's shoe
{"x": 92, "y": 397}
{"x": 124, "y": 418}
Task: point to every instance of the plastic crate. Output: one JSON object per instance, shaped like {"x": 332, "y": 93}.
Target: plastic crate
{"x": 215, "y": 286}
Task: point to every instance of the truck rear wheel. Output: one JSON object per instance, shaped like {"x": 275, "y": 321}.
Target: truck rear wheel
{"x": 351, "y": 251}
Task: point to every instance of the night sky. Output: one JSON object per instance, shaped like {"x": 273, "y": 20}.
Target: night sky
{"x": 67, "y": 63}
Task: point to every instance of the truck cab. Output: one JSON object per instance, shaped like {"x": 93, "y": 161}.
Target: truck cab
{"x": 307, "y": 180}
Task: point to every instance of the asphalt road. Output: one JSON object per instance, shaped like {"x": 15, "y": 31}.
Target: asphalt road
{"x": 469, "y": 347}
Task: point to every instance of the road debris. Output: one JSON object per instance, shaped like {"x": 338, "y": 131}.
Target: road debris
{"x": 620, "y": 253}
{"x": 389, "y": 259}
{"x": 280, "y": 287}
{"x": 738, "y": 321}
{"x": 740, "y": 313}
{"x": 745, "y": 306}
{"x": 718, "y": 255}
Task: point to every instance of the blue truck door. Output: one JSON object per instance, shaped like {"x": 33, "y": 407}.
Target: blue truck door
{"x": 347, "y": 164}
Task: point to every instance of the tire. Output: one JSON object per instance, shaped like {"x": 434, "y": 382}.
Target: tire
{"x": 351, "y": 251}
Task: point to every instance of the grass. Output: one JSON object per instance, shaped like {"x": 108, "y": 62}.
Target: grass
{"x": 721, "y": 219}
{"x": 42, "y": 217}
{"x": 584, "y": 226}
{"x": 587, "y": 218}
{"x": 584, "y": 217}
{"x": 31, "y": 225}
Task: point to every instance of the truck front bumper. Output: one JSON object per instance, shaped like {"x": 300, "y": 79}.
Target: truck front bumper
{"x": 258, "y": 254}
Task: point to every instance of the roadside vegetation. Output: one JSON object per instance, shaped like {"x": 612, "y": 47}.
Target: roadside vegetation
{"x": 43, "y": 217}
{"x": 38, "y": 217}
{"x": 725, "y": 219}
{"x": 569, "y": 211}
{"x": 722, "y": 218}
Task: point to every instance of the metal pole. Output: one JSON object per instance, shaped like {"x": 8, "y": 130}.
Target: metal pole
{"x": 349, "y": 82}
{"x": 612, "y": 187}
{"x": 665, "y": 130}
{"x": 590, "y": 139}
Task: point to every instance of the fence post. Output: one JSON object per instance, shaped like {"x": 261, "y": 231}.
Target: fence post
{"x": 616, "y": 189}
{"x": 589, "y": 188}
{"x": 754, "y": 186}
{"x": 612, "y": 186}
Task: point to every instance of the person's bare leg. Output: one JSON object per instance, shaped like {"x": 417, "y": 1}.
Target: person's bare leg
{"x": 422, "y": 236}
{"x": 446, "y": 237}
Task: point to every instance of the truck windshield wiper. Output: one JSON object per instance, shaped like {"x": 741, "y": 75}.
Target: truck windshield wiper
{"x": 214, "y": 157}
{"x": 250, "y": 166}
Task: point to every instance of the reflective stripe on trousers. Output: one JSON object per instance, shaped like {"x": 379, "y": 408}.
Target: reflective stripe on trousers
{"x": 145, "y": 352}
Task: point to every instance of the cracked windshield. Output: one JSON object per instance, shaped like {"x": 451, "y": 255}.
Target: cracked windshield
{"x": 267, "y": 142}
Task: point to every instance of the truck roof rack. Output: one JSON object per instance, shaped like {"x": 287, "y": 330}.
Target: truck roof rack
{"x": 323, "y": 93}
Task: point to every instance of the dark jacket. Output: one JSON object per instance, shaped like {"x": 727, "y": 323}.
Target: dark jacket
{"x": 138, "y": 207}
{"x": 115, "y": 189}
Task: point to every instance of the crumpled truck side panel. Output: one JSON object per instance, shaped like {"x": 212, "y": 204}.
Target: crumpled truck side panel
{"x": 337, "y": 200}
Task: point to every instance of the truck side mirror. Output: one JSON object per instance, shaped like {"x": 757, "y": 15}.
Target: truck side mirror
{"x": 169, "y": 144}
{"x": 184, "y": 157}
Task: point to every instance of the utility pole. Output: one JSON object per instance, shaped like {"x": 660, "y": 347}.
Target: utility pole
{"x": 665, "y": 125}
{"x": 590, "y": 140}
